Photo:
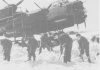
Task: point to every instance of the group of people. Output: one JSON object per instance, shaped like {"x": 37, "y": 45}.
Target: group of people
{"x": 65, "y": 42}
{"x": 49, "y": 41}
{"x": 31, "y": 45}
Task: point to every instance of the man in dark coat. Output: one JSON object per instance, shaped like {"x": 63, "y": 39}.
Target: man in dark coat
{"x": 32, "y": 46}
{"x": 83, "y": 46}
{"x": 68, "y": 48}
{"x": 66, "y": 42}
{"x": 7, "y": 45}
{"x": 46, "y": 42}
{"x": 43, "y": 43}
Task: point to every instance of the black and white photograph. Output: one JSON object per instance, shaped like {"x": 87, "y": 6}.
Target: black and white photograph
{"x": 49, "y": 35}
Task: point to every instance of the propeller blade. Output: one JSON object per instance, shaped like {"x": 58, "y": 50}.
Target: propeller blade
{"x": 49, "y": 6}
{"x": 27, "y": 11}
{"x": 37, "y": 5}
{"x": 77, "y": 26}
{"x": 85, "y": 24}
{"x": 5, "y": 2}
{"x": 19, "y": 2}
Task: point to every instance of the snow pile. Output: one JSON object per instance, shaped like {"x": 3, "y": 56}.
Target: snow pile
{"x": 14, "y": 66}
{"x": 48, "y": 66}
{"x": 18, "y": 53}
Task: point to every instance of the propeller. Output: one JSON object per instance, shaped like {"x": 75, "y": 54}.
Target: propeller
{"x": 19, "y": 2}
{"x": 27, "y": 11}
{"x": 49, "y": 6}
{"x": 40, "y": 7}
{"x": 37, "y": 5}
{"x": 85, "y": 24}
{"x": 77, "y": 26}
{"x": 5, "y": 2}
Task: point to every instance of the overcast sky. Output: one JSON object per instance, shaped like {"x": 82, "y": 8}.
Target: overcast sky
{"x": 92, "y": 7}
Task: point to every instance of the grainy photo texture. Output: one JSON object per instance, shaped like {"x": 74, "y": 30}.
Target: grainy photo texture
{"x": 49, "y": 35}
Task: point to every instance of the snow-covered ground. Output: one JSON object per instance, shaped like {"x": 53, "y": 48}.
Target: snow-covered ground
{"x": 44, "y": 65}
{"x": 50, "y": 60}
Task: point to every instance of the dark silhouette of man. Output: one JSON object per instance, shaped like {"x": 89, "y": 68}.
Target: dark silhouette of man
{"x": 66, "y": 42}
{"x": 68, "y": 48}
{"x": 32, "y": 46}
{"x": 46, "y": 42}
{"x": 83, "y": 46}
{"x": 7, "y": 45}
